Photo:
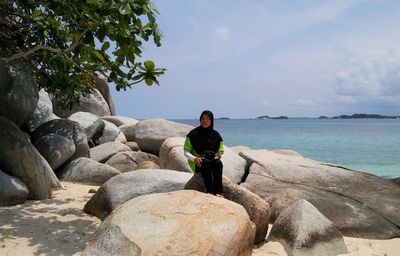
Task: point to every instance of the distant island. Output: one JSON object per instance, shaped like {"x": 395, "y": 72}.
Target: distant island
{"x": 223, "y": 118}
{"x": 269, "y": 117}
{"x": 361, "y": 116}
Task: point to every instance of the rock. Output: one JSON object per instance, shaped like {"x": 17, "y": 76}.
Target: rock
{"x": 303, "y": 230}
{"x": 88, "y": 171}
{"x": 182, "y": 223}
{"x": 359, "y": 204}
{"x": 129, "y": 161}
{"x": 92, "y": 191}
{"x": 104, "y": 89}
{"x": 105, "y": 151}
{"x": 18, "y": 94}
{"x": 111, "y": 241}
{"x": 129, "y": 131}
{"x": 126, "y": 186}
{"x": 43, "y": 112}
{"x": 56, "y": 149}
{"x": 68, "y": 129}
{"x": 173, "y": 158}
{"x": 287, "y": 152}
{"x": 239, "y": 149}
{"x": 110, "y": 133}
{"x": 396, "y": 180}
{"x": 147, "y": 165}
{"x": 255, "y": 206}
{"x": 12, "y": 190}
{"x": 150, "y": 134}
{"x": 120, "y": 120}
{"x": 19, "y": 157}
{"x": 93, "y": 103}
{"x": 92, "y": 125}
{"x": 132, "y": 145}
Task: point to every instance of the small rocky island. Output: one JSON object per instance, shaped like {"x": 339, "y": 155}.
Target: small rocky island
{"x": 269, "y": 117}
{"x": 361, "y": 116}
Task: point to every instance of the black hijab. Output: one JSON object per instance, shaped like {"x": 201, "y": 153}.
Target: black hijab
{"x": 207, "y": 139}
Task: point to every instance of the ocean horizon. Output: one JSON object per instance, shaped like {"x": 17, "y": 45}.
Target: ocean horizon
{"x": 368, "y": 145}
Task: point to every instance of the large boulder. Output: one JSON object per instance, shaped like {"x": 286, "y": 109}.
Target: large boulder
{"x": 56, "y": 149}
{"x": 68, "y": 129}
{"x": 129, "y": 131}
{"x": 103, "y": 152}
{"x": 18, "y": 94}
{"x": 182, "y": 223}
{"x": 93, "y": 103}
{"x": 359, "y": 204}
{"x": 88, "y": 171}
{"x": 126, "y": 186}
{"x": 92, "y": 125}
{"x": 129, "y": 161}
{"x": 120, "y": 120}
{"x": 303, "y": 230}
{"x": 150, "y": 134}
{"x": 104, "y": 89}
{"x": 43, "y": 112}
{"x": 12, "y": 190}
{"x": 257, "y": 209}
{"x": 173, "y": 158}
{"x": 19, "y": 157}
{"x": 110, "y": 133}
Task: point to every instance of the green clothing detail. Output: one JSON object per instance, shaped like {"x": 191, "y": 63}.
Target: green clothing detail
{"x": 188, "y": 146}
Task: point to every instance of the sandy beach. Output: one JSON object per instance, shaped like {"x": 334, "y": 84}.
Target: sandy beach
{"x": 58, "y": 226}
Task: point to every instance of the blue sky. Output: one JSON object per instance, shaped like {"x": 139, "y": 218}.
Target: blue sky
{"x": 243, "y": 59}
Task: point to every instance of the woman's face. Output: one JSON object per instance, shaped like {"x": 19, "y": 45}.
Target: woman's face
{"x": 205, "y": 121}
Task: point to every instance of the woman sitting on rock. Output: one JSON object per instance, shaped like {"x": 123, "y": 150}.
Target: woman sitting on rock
{"x": 203, "y": 148}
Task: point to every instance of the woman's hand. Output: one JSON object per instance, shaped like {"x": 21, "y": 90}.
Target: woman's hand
{"x": 198, "y": 161}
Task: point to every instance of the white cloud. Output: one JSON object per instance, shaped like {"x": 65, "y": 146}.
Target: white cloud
{"x": 266, "y": 103}
{"x": 222, "y": 34}
{"x": 303, "y": 102}
{"x": 373, "y": 75}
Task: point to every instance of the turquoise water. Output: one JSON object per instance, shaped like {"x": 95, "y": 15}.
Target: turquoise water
{"x": 369, "y": 145}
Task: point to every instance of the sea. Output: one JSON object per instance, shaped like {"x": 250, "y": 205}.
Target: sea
{"x": 368, "y": 145}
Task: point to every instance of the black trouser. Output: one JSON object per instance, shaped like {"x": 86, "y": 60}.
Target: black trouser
{"x": 211, "y": 171}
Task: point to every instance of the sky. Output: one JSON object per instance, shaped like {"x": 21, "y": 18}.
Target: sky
{"x": 244, "y": 59}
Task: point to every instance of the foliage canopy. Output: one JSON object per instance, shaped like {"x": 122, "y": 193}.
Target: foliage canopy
{"x": 67, "y": 43}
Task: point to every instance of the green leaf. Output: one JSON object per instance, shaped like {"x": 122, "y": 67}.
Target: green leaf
{"x": 105, "y": 46}
{"x": 149, "y": 65}
{"x": 148, "y": 81}
{"x": 99, "y": 56}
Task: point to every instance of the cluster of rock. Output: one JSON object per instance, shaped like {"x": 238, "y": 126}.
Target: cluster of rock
{"x": 148, "y": 197}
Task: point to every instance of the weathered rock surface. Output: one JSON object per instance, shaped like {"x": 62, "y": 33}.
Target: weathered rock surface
{"x": 12, "y": 190}
{"x": 103, "y": 152}
{"x": 92, "y": 125}
{"x": 68, "y": 129}
{"x": 359, "y": 204}
{"x": 120, "y": 120}
{"x": 19, "y": 157}
{"x": 111, "y": 241}
{"x": 56, "y": 149}
{"x": 18, "y": 94}
{"x": 132, "y": 145}
{"x": 126, "y": 186}
{"x": 183, "y": 223}
{"x": 129, "y": 131}
{"x": 147, "y": 165}
{"x": 104, "y": 89}
{"x": 93, "y": 103}
{"x": 303, "y": 230}
{"x": 150, "y": 134}
{"x": 257, "y": 209}
{"x": 88, "y": 171}
{"x": 172, "y": 156}
{"x": 129, "y": 161}
{"x": 110, "y": 133}
{"x": 43, "y": 112}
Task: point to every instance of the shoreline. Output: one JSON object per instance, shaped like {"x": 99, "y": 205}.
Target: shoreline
{"x": 58, "y": 226}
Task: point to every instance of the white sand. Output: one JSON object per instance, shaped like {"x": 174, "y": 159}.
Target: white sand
{"x": 59, "y": 226}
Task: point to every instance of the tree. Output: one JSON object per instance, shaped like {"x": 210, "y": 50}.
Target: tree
{"x": 67, "y": 43}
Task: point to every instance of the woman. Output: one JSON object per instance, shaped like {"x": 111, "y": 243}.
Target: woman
{"x": 203, "y": 149}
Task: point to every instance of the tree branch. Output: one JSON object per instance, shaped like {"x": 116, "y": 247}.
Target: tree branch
{"x": 48, "y": 48}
